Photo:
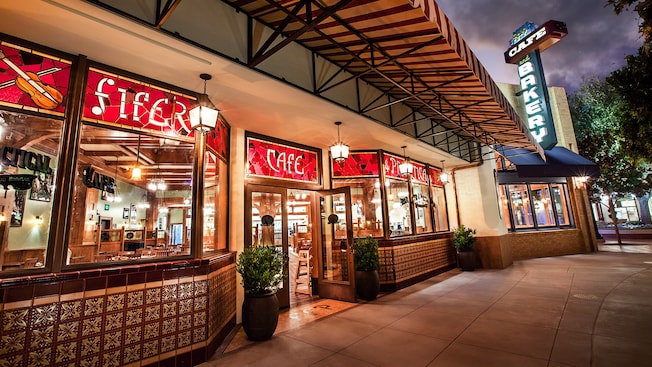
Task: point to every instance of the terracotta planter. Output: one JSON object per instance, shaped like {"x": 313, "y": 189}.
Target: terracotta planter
{"x": 260, "y": 316}
{"x": 466, "y": 260}
{"x": 367, "y": 284}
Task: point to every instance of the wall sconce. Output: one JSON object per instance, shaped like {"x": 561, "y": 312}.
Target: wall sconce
{"x": 38, "y": 220}
{"x": 136, "y": 172}
{"x": 339, "y": 151}
{"x": 203, "y": 117}
{"x": 580, "y": 181}
{"x": 3, "y": 217}
{"x": 444, "y": 177}
{"x": 406, "y": 167}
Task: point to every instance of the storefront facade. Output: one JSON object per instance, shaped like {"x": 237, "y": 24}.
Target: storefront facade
{"x": 100, "y": 267}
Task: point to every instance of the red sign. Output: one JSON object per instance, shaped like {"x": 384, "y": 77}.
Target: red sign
{"x": 116, "y": 99}
{"x": 357, "y": 165}
{"x": 419, "y": 173}
{"x": 219, "y": 140}
{"x": 391, "y": 163}
{"x": 266, "y": 159}
{"x": 435, "y": 177}
{"x": 33, "y": 79}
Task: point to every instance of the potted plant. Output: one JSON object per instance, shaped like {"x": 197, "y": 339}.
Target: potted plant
{"x": 261, "y": 268}
{"x": 366, "y": 261}
{"x": 464, "y": 241}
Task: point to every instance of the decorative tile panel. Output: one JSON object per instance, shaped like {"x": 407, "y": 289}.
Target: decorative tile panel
{"x": 66, "y": 352}
{"x": 135, "y": 299}
{"x": 403, "y": 262}
{"x": 71, "y": 310}
{"x": 120, "y": 327}
{"x": 115, "y": 302}
{"x": 92, "y": 325}
{"x": 68, "y": 330}
{"x": 112, "y": 340}
{"x": 94, "y": 306}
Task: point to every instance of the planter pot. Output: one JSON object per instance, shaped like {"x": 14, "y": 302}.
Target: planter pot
{"x": 367, "y": 284}
{"x": 466, "y": 260}
{"x": 260, "y": 316}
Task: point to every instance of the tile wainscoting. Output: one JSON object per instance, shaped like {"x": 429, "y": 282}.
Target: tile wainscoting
{"x": 172, "y": 313}
{"x": 408, "y": 261}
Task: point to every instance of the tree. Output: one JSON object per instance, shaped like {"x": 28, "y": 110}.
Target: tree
{"x": 597, "y": 109}
{"x": 633, "y": 83}
{"x": 644, "y": 10}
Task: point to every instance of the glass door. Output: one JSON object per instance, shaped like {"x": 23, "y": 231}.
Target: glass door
{"x": 266, "y": 224}
{"x": 336, "y": 273}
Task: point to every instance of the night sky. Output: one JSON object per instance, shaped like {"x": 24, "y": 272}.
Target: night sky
{"x": 596, "y": 44}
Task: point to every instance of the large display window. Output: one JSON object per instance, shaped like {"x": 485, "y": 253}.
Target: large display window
{"x": 215, "y": 204}
{"x": 28, "y": 167}
{"x": 366, "y": 206}
{"x": 535, "y": 205}
{"x": 130, "y": 216}
{"x": 404, "y": 204}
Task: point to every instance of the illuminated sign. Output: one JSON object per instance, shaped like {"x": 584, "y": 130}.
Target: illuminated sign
{"x": 391, "y": 164}
{"x": 526, "y": 39}
{"x": 435, "y": 177}
{"x": 116, "y": 99}
{"x": 535, "y": 97}
{"x": 267, "y": 159}
{"x": 525, "y": 46}
{"x": 357, "y": 165}
{"x": 419, "y": 173}
{"x": 33, "y": 79}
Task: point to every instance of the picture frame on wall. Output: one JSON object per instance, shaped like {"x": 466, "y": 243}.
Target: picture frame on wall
{"x": 42, "y": 187}
{"x": 18, "y": 209}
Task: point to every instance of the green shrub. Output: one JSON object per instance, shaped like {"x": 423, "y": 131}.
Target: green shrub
{"x": 365, "y": 254}
{"x": 464, "y": 238}
{"x": 261, "y": 269}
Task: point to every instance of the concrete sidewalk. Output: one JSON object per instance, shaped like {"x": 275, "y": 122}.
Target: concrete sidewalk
{"x": 578, "y": 310}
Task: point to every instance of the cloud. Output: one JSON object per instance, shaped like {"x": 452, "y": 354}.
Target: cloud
{"x": 596, "y": 44}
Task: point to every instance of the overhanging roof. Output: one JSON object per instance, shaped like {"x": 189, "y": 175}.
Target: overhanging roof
{"x": 394, "y": 47}
{"x": 560, "y": 162}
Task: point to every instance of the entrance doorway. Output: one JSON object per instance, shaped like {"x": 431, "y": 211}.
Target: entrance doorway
{"x": 292, "y": 220}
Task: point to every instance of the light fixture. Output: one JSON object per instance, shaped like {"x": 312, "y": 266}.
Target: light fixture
{"x": 3, "y": 217}
{"x": 444, "y": 177}
{"x": 339, "y": 151}
{"x": 158, "y": 183}
{"x": 405, "y": 168}
{"x": 136, "y": 172}
{"x": 38, "y": 220}
{"x": 203, "y": 118}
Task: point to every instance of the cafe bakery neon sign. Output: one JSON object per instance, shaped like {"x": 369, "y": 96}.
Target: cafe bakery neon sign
{"x": 526, "y": 44}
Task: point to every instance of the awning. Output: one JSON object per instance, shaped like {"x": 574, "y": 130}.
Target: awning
{"x": 560, "y": 162}
{"x": 410, "y": 52}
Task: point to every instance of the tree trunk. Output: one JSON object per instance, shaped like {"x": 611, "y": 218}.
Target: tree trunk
{"x": 644, "y": 214}
{"x": 612, "y": 211}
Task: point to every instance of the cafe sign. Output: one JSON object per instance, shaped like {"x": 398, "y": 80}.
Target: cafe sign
{"x": 279, "y": 161}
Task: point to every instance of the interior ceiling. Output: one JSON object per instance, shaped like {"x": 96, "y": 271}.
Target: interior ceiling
{"x": 386, "y": 43}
